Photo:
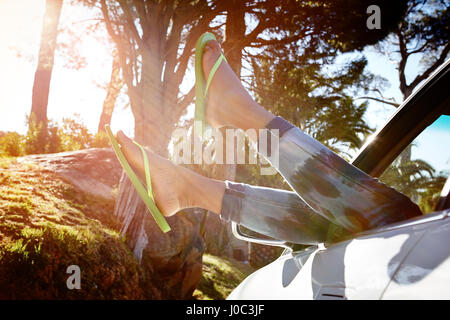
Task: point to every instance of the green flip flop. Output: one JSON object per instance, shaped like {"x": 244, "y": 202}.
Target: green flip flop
{"x": 202, "y": 86}
{"x": 146, "y": 195}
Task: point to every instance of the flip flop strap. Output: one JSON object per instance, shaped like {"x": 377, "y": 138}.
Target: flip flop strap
{"x": 157, "y": 215}
{"x": 213, "y": 72}
{"x": 148, "y": 179}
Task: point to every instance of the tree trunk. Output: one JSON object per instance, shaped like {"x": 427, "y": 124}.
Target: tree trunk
{"x": 114, "y": 87}
{"x": 42, "y": 77}
{"x": 175, "y": 257}
{"x": 234, "y": 32}
{"x": 258, "y": 255}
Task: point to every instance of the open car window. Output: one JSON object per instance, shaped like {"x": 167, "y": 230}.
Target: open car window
{"x": 421, "y": 169}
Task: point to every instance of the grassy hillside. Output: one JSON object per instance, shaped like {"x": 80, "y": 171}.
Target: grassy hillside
{"x": 47, "y": 225}
{"x": 220, "y": 276}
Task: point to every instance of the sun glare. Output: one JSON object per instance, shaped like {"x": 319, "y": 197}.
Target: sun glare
{"x": 73, "y": 91}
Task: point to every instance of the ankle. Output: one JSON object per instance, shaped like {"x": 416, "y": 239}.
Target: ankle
{"x": 247, "y": 114}
{"x": 240, "y": 111}
{"x": 195, "y": 190}
{"x": 253, "y": 117}
{"x": 187, "y": 182}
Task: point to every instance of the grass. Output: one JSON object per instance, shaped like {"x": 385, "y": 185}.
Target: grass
{"x": 46, "y": 225}
{"x": 220, "y": 276}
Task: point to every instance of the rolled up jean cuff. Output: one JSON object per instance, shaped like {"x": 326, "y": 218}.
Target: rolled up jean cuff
{"x": 280, "y": 124}
{"x": 276, "y": 127}
{"x": 232, "y": 202}
{"x": 278, "y": 214}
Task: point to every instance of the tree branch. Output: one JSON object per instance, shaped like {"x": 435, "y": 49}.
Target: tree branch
{"x": 258, "y": 42}
{"x": 260, "y": 27}
{"x": 190, "y": 43}
{"x": 380, "y": 100}
{"x": 433, "y": 67}
{"x": 171, "y": 52}
{"x": 131, "y": 25}
{"x": 402, "y": 64}
{"x": 126, "y": 68}
{"x": 186, "y": 100}
{"x": 422, "y": 47}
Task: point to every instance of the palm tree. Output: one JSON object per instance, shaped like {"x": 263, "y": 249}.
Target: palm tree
{"x": 416, "y": 178}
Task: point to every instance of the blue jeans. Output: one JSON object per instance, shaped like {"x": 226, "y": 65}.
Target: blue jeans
{"x": 332, "y": 199}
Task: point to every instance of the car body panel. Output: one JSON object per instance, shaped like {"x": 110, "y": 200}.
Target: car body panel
{"x": 425, "y": 273}
{"x": 374, "y": 265}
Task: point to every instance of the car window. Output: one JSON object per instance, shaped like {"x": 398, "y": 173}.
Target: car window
{"x": 422, "y": 168}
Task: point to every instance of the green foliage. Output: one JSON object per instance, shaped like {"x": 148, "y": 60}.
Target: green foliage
{"x": 100, "y": 140}
{"x": 74, "y": 135}
{"x": 416, "y": 179}
{"x": 47, "y": 225}
{"x": 40, "y": 138}
{"x": 310, "y": 94}
{"x": 219, "y": 277}
{"x": 70, "y": 135}
{"x": 247, "y": 27}
{"x": 11, "y": 144}
{"x": 54, "y": 138}
{"x": 33, "y": 141}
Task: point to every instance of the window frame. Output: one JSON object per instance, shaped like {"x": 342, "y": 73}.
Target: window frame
{"x": 419, "y": 111}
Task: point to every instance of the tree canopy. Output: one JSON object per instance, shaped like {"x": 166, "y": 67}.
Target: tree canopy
{"x": 155, "y": 41}
{"x": 425, "y": 33}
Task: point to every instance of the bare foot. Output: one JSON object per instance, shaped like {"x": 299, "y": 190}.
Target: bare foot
{"x": 167, "y": 183}
{"x": 174, "y": 187}
{"x": 229, "y": 103}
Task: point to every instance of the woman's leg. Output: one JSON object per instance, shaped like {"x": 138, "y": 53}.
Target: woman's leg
{"x": 275, "y": 213}
{"x": 279, "y": 214}
{"x": 331, "y": 186}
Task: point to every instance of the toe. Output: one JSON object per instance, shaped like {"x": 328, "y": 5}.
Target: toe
{"x": 214, "y": 46}
{"x": 123, "y": 138}
{"x": 211, "y": 52}
{"x": 130, "y": 150}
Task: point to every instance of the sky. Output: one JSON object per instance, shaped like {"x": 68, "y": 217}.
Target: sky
{"x": 80, "y": 92}
{"x": 433, "y": 145}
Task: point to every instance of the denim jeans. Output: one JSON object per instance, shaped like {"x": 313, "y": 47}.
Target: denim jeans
{"x": 331, "y": 199}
